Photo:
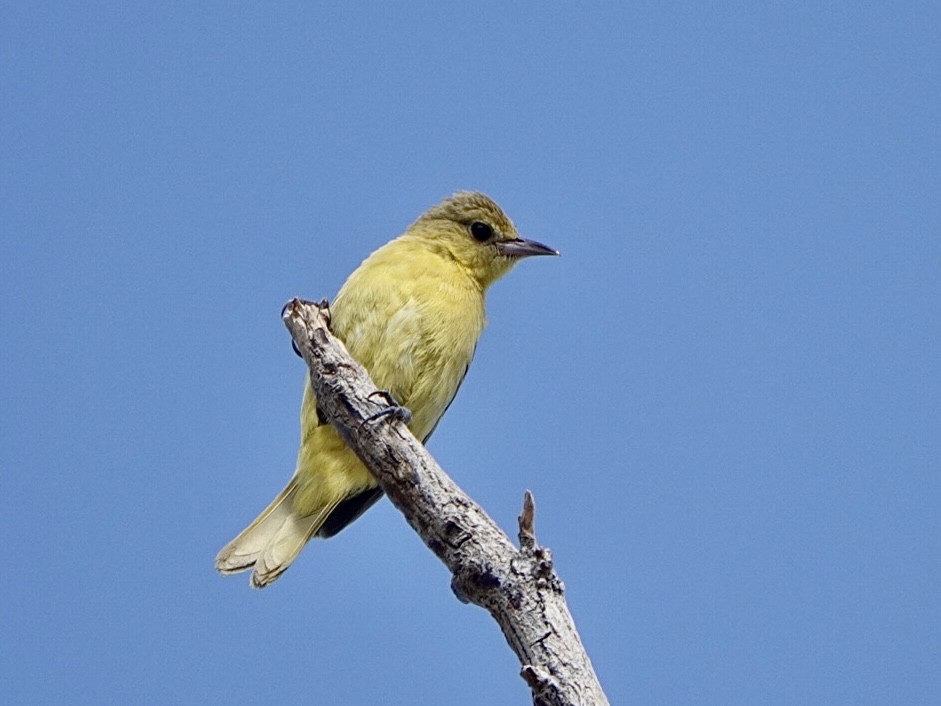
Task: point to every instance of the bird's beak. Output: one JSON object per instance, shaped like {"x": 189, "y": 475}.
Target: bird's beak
{"x": 523, "y": 248}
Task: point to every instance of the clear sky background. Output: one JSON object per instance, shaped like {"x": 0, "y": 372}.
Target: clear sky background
{"x": 725, "y": 395}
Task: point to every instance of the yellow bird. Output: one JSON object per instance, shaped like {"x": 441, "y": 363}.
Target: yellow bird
{"x": 411, "y": 313}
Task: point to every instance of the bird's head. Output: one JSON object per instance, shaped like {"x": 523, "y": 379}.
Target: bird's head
{"x": 472, "y": 229}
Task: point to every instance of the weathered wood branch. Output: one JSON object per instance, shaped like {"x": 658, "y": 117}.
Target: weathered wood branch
{"x": 519, "y": 588}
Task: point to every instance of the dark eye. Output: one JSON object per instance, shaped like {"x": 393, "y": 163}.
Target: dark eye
{"x": 481, "y": 231}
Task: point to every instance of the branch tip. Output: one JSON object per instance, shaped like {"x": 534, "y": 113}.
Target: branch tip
{"x": 527, "y": 533}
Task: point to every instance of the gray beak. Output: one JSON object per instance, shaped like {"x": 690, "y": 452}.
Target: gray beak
{"x": 523, "y": 248}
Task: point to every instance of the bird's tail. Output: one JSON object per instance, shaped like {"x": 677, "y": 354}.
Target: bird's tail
{"x": 272, "y": 541}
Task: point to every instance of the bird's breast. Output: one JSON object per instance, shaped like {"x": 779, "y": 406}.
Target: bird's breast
{"x": 414, "y": 325}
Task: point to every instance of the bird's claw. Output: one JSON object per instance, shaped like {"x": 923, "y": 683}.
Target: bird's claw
{"x": 391, "y": 409}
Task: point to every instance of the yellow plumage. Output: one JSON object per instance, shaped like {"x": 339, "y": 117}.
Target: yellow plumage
{"x": 411, "y": 314}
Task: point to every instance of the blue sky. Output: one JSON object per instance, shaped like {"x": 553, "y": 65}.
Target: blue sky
{"x": 725, "y": 395}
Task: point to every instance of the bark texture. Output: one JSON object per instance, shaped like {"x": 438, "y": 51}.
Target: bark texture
{"x": 519, "y": 588}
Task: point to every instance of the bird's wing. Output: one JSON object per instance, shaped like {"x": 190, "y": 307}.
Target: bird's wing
{"x": 456, "y": 388}
{"x": 348, "y": 511}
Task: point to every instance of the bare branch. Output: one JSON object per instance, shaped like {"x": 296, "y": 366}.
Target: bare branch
{"x": 520, "y": 589}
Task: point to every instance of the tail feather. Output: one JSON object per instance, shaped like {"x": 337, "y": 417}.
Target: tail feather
{"x": 282, "y": 549}
{"x": 272, "y": 541}
{"x": 240, "y": 554}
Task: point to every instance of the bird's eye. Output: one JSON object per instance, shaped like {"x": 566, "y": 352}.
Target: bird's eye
{"x": 481, "y": 231}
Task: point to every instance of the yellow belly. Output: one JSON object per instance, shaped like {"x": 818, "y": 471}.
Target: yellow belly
{"x": 413, "y": 320}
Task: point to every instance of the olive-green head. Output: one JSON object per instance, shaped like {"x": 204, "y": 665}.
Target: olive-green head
{"x": 472, "y": 229}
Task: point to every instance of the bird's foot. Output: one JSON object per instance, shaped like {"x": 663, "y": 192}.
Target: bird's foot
{"x": 391, "y": 409}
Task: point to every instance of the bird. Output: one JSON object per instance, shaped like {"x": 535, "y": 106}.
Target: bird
{"x": 411, "y": 314}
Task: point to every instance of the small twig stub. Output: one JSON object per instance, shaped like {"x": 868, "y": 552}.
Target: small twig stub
{"x": 527, "y": 535}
